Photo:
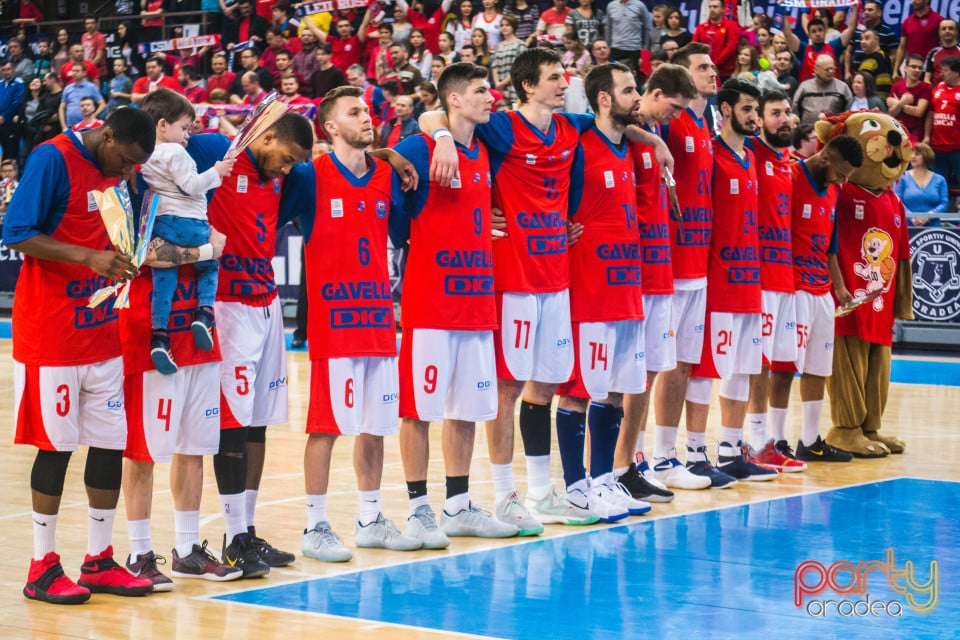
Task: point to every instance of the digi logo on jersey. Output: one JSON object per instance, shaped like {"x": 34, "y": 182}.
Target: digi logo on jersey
{"x": 623, "y": 276}
{"x": 547, "y": 245}
{"x": 87, "y": 318}
{"x": 776, "y": 255}
{"x": 361, "y": 318}
{"x": 743, "y": 275}
{"x": 115, "y": 406}
{"x": 468, "y": 285}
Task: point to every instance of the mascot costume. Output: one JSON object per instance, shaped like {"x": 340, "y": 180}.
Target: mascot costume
{"x": 874, "y": 260}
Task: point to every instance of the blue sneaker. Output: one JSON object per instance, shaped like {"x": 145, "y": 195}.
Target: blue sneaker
{"x": 737, "y": 462}
{"x": 671, "y": 473}
{"x": 699, "y": 464}
{"x": 161, "y": 354}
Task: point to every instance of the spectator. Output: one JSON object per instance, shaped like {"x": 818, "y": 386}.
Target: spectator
{"x": 657, "y": 58}
{"x": 431, "y": 27}
{"x": 942, "y": 128}
{"x": 402, "y": 71}
{"x": 50, "y": 128}
{"x": 253, "y": 91}
{"x": 510, "y": 47}
{"x": 284, "y": 61}
{"x": 437, "y": 67}
{"x": 824, "y": 15}
{"x": 875, "y": 62}
{"x": 872, "y": 19}
{"x": 22, "y": 65}
{"x": 120, "y": 86}
{"x": 69, "y": 109}
{"x": 527, "y": 16}
{"x": 401, "y": 25}
{"x": 722, "y": 35}
{"x": 462, "y": 25}
{"x": 586, "y": 21}
{"x": 244, "y": 26}
{"x": 488, "y": 21}
{"x": 551, "y": 26}
{"x": 250, "y": 61}
{"x": 402, "y": 125}
{"x": 8, "y": 185}
{"x": 575, "y": 55}
{"x": 29, "y": 13}
{"x": 221, "y": 78}
{"x": 154, "y": 78}
{"x": 675, "y": 30}
{"x": 482, "y": 47}
{"x": 43, "y": 61}
{"x": 305, "y": 61}
{"x": 12, "y": 90}
{"x": 94, "y": 45}
{"x": 468, "y": 54}
{"x": 446, "y": 52}
{"x": 33, "y": 112}
{"x": 88, "y": 115}
{"x": 290, "y": 91}
{"x": 865, "y": 96}
{"x": 804, "y": 141}
{"x": 420, "y": 56}
{"x": 326, "y": 77}
{"x": 429, "y": 98}
{"x": 823, "y": 92}
{"x": 347, "y": 47}
{"x": 76, "y": 55}
{"x": 783, "y": 67}
{"x": 61, "y": 51}
{"x": 276, "y": 42}
{"x": 747, "y": 61}
{"x": 919, "y": 33}
{"x": 601, "y": 52}
{"x": 389, "y": 90}
{"x": 380, "y": 52}
{"x": 628, "y": 30}
{"x": 910, "y": 98}
{"x": 921, "y": 190}
{"x": 214, "y": 15}
{"x": 948, "y": 47}
{"x": 281, "y": 16}
{"x": 122, "y": 43}
{"x": 819, "y": 45}
{"x": 372, "y": 95}
{"x": 659, "y": 18}
{"x": 151, "y": 22}
{"x": 189, "y": 80}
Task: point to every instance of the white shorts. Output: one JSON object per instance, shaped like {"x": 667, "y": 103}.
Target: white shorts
{"x": 447, "y": 374}
{"x": 815, "y": 331}
{"x": 660, "y": 335}
{"x": 736, "y": 345}
{"x": 779, "y": 326}
{"x": 60, "y": 408}
{"x": 535, "y": 339}
{"x": 349, "y": 396}
{"x": 253, "y": 372}
{"x": 169, "y": 414}
{"x": 689, "y": 312}
{"x": 610, "y": 357}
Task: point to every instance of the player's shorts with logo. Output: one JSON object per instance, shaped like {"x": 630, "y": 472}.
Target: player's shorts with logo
{"x": 815, "y": 336}
{"x": 735, "y": 345}
{"x": 660, "y": 334}
{"x": 609, "y": 358}
{"x": 689, "y": 312}
{"x": 349, "y": 396}
{"x": 535, "y": 339}
{"x": 779, "y": 326}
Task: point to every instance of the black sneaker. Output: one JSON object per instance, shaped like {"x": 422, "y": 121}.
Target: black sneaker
{"x": 820, "y": 451}
{"x": 641, "y": 489}
{"x": 146, "y": 567}
{"x": 699, "y": 465}
{"x": 161, "y": 354}
{"x": 202, "y": 328}
{"x": 202, "y": 564}
{"x": 241, "y": 553}
{"x": 784, "y": 448}
{"x": 268, "y": 553}
{"x": 736, "y": 461}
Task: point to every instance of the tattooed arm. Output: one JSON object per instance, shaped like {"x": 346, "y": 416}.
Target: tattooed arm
{"x": 163, "y": 254}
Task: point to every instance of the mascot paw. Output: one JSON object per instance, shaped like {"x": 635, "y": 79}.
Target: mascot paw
{"x": 853, "y": 441}
{"x": 895, "y": 445}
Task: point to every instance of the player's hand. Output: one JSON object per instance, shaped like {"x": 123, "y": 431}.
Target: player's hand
{"x": 663, "y": 155}
{"x": 843, "y": 295}
{"x": 116, "y": 266}
{"x": 404, "y": 168}
{"x": 443, "y": 167}
{"x": 498, "y": 224}
{"x": 574, "y": 231}
{"x": 218, "y": 241}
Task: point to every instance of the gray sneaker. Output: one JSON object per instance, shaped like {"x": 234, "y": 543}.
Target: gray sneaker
{"x": 383, "y": 534}
{"x": 321, "y": 543}
{"x": 476, "y": 523}
{"x": 422, "y": 525}
{"x": 556, "y": 509}
{"x": 511, "y": 511}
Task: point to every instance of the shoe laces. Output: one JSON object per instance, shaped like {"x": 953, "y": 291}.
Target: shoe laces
{"x": 785, "y": 449}
{"x": 426, "y": 518}
{"x": 206, "y": 552}
{"x": 327, "y": 535}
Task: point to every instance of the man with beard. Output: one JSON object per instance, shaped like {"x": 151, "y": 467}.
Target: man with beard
{"x": 732, "y": 344}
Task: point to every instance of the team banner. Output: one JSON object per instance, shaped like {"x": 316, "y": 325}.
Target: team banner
{"x": 308, "y": 111}
{"x": 327, "y": 6}
{"x": 816, "y": 4}
{"x": 178, "y": 43}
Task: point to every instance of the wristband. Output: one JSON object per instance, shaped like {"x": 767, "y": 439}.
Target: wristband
{"x": 206, "y": 252}
{"x": 441, "y": 133}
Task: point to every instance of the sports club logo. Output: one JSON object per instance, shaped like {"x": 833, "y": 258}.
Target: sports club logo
{"x": 813, "y": 582}
{"x": 936, "y": 280}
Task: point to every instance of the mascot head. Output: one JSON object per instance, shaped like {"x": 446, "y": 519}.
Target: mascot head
{"x": 886, "y": 147}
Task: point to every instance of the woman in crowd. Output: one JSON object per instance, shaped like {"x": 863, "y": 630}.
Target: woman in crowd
{"x": 489, "y": 20}
{"x": 429, "y": 97}
{"x": 748, "y": 62}
{"x": 923, "y": 192}
{"x": 510, "y": 47}
{"x": 446, "y": 51}
{"x": 420, "y": 56}
{"x": 575, "y": 55}
{"x": 479, "y": 41}
{"x": 526, "y": 14}
{"x": 865, "y": 93}
{"x": 460, "y": 27}
{"x": 675, "y": 30}
{"x": 61, "y": 50}
{"x": 587, "y": 21}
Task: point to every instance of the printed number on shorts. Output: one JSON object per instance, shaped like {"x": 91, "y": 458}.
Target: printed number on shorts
{"x": 803, "y": 332}
{"x": 726, "y": 341}
{"x": 430, "y": 379}
{"x": 63, "y": 404}
{"x": 767, "y": 324}
{"x": 348, "y": 393}
{"x": 598, "y": 353}
{"x": 164, "y": 406}
{"x": 523, "y": 331}
{"x": 243, "y": 383}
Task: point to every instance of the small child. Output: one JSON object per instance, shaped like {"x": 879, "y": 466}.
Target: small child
{"x": 181, "y": 219}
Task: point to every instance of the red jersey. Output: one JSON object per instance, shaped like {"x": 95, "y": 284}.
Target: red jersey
{"x": 688, "y": 138}
{"x": 448, "y": 281}
{"x": 813, "y": 214}
{"x": 921, "y": 34}
{"x": 773, "y": 216}
{"x": 52, "y": 325}
{"x": 605, "y": 264}
{"x": 142, "y": 85}
{"x": 531, "y": 186}
{"x": 945, "y": 134}
{"x": 810, "y": 53}
{"x": 346, "y": 52}
{"x": 653, "y": 222}
{"x": 922, "y": 91}
{"x": 872, "y": 238}
{"x": 723, "y": 38}
{"x": 431, "y": 27}
{"x": 734, "y": 271}
{"x": 221, "y": 82}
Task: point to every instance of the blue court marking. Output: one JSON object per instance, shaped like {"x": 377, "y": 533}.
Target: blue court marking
{"x": 726, "y": 573}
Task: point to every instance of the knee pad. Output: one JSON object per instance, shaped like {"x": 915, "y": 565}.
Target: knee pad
{"x": 230, "y": 464}
{"x": 257, "y": 434}
{"x": 699, "y": 390}
{"x": 233, "y": 441}
{"x": 104, "y": 469}
{"x": 49, "y": 471}
{"x": 736, "y": 387}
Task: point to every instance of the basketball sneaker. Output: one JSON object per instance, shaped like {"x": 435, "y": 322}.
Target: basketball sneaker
{"x": 737, "y": 462}
{"x": 643, "y": 467}
{"x": 475, "y": 522}
{"x": 556, "y": 509}
{"x": 785, "y": 449}
{"x": 422, "y": 526}
{"x": 321, "y": 543}
{"x": 201, "y": 563}
{"x": 699, "y": 464}
{"x": 146, "y": 567}
{"x": 242, "y": 553}
{"x": 635, "y": 506}
{"x": 47, "y": 582}
{"x": 268, "y": 553}
{"x": 161, "y": 353}
{"x": 101, "y": 574}
{"x": 772, "y": 457}
{"x": 383, "y": 534}
{"x": 600, "y": 500}
{"x": 511, "y": 511}
{"x": 641, "y": 488}
{"x": 671, "y": 473}
{"x": 202, "y": 329}
{"x": 820, "y": 451}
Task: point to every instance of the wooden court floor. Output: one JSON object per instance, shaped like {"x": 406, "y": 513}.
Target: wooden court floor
{"x": 925, "y": 416}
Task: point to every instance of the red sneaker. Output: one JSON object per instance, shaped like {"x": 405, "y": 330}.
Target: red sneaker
{"x": 769, "y": 456}
{"x": 101, "y": 574}
{"x": 47, "y": 582}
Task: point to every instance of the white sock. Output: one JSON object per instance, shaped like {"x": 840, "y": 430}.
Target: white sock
{"x": 503, "y": 482}
{"x": 731, "y": 435}
{"x": 250, "y": 497}
{"x": 99, "y": 529}
{"x": 778, "y": 423}
{"x": 369, "y": 506}
{"x": 665, "y": 440}
{"x": 619, "y": 471}
{"x": 538, "y": 477}
{"x": 139, "y": 533}
{"x": 234, "y": 516}
{"x": 758, "y": 429}
{"x": 419, "y": 501}
{"x": 811, "y": 421}
{"x": 316, "y": 510}
{"x": 695, "y": 440}
{"x": 44, "y": 534}
{"x": 186, "y": 525}
{"x": 456, "y": 504}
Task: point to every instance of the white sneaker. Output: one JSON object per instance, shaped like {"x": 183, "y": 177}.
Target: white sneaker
{"x": 422, "y": 525}
{"x": 605, "y": 504}
{"x": 511, "y": 511}
{"x": 635, "y": 506}
{"x": 644, "y": 468}
{"x": 476, "y": 523}
{"x": 674, "y": 475}
{"x": 556, "y": 509}
{"x": 321, "y": 543}
{"x": 383, "y": 534}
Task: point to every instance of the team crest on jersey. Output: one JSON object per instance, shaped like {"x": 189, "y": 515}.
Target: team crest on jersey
{"x": 276, "y": 185}
{"x": 476, "y": 178}
{"x": 361, "y": 205}
{"x": 381, "y": 208}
